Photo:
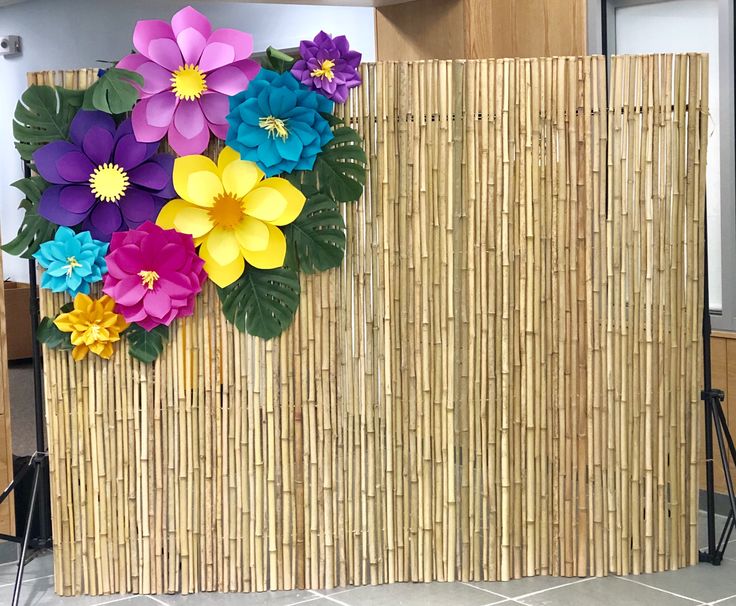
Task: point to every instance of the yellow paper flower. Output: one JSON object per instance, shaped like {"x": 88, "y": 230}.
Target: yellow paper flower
{"x": 232, "y": 213}
{"x": 94, "y": 326}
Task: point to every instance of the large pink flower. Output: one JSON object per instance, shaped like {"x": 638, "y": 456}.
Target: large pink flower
{"x": 189, "y": 71}
{"x": 154, "y": 275}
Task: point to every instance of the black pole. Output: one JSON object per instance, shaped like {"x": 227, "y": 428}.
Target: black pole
{"x": 27, "y": 535}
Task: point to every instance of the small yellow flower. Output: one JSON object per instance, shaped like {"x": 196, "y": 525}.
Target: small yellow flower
{"x": 232, "y": 213}
{"x": 94, "y": 326}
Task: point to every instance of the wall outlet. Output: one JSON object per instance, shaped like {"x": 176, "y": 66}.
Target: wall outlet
{"x": 10, "y": 46}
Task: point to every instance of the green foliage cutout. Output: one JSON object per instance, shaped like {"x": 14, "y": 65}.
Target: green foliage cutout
{"x": 262, "y": 302}
{"x": 114, "y": 92}
{"x": 34, "y": 230}
{"x": 146, "y": 345}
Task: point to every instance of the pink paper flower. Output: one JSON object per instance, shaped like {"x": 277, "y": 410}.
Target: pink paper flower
{"x": 189, "y": 71}
{"x": 154, "y": 275}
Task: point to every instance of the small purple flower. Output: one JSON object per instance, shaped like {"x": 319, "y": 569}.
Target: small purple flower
{"x": 103, "y": 178}
{"x": 328, "y": 66}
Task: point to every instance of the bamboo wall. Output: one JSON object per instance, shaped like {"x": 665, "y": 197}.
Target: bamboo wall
{"x": 502, "y": 380}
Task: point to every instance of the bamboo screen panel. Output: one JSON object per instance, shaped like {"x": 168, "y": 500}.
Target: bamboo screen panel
{"x": 501, "y": 380}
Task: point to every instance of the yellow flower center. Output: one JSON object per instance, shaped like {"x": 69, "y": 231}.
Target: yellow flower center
{"x": 188, "y": 82}
{"x": 92, "y": 333}
{"x": 108, "y": 182}
{"x": 324, "y": 70}
{"x": 227, "y": 211}
{"x": 71, "y": 264}
{"x": 148, "y": 278}
{"x": 274, "y": 126}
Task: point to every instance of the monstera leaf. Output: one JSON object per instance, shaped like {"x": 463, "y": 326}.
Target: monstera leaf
{"x": 316, "y": 239}
{"x": 262, "y": 302}
{"x": 146, "y": 345}
{"x": 43, "y": 114}
{"x": 34, "y": 230}
{"x": 278, "y": 61}
{"x": 114, "y": 92}
{"x": 339, "y": 170}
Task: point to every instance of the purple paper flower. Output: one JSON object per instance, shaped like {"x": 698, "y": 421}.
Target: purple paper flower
{"x": 328, "y": 66}
{"x": 189, "y": 70}
{"x": 102, "y": 178}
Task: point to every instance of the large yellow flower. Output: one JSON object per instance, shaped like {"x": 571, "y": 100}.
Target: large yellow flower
{"x": 232, "y": 213}
{"x": 94, "y": 326}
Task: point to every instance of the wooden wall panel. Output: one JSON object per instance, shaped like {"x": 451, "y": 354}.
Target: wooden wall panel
{"x": 478, "y": 29}
{"x": 7, "y": 524}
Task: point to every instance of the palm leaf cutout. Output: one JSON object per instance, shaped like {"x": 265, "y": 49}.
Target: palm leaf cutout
{"x": 146, "y": 345}
{"x": 114, "y": 92}
{"x": 50, "y": 335}
{"x": 43, "y": 114}
{"x": 339, "y": 170}
{"x": 262, "y": 302}
{"x": 34, "y": 229}
{"x": 316, "y": 239}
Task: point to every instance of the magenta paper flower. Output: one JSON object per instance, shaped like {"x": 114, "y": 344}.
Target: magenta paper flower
{"x": 328, "y": 66}
{"x": 188, "y": 71}
{"x": 154, "y": 275}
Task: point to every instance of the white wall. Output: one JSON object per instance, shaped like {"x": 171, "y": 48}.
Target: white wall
{"x": 679, "y": 26}
{"x": 69, "y": 34}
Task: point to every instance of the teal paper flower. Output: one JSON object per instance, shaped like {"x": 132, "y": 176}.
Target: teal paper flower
{"x": 277, "y": 123}
{"x": 72, "y": 261}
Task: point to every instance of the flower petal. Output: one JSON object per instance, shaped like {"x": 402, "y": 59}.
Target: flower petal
{"x": 45, "y": 158}
{"x": 222, "y": 275}
{"x": 225, "y": 46}
{"x": 204, "y": 187}
{"x": 75, "y": 167}
{"x": 215, "y": 107}
{"x": 273, "y": 255}
{"x": 189, "y": 17}
{"x": 167, "y": 215}
{"x": 145, "y": 132}
{"x": 137, "y": 206}
{"x": 233, "y": 78}
{"x": 189, "y": 119}
{"x": 222, "y": 245}
{"x": 148, "y": 30}
{"x": 77, "y": 199}
{"x": 49, "y": 207}
{"x": 293, "y": 198}
{"x": 97, "y": 145}
{"x": 227, "y": 155}
{"x": 85, "y": 120}
{"x": 252, "y": 234}
{"x": 265, "y": 203}
{"x": 150, "y": 175}
{"x": 157, "y": 303}
{"x": 106, "y": 219}
{"x": 186, "y": 166}
{"x": 156, "y": 79}
{"x": 166, "y": 53}
{"x": 160, "y": 109}
{"x": 184, "y": 146}
{"x": 240, "y": 177}
{"x": 193, "y": 220}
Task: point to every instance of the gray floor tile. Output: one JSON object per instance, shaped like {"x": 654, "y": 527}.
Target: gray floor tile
{"x": 703, "y": 582}
{"x": 265, "y": 598}
{"x": 39, "y": 566}
{"x": 8, "y": 552}
{"x": 512, "y": 589}
{"x": 418, "y": 594}
{"x": 703, "y": 529}
{"x": 608, "y": 591}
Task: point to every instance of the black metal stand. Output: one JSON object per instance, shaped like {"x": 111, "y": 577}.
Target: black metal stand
{"x": 39, "y": 459}
{"x": 715, "y": 419}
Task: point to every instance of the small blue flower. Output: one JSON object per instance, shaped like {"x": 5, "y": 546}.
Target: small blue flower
{"x": 72, "y": 261}
{"x": 277, "y": 123}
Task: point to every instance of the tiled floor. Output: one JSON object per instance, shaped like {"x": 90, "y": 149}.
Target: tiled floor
{"x": 699, "y": 585}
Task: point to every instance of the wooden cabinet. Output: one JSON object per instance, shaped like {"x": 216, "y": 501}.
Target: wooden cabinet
{"x": 7, "y": 524}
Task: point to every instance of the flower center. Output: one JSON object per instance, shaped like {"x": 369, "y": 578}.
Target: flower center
{"x": 274, "y": 127}
{"x": 71, "y": 264}
{"x": 93, "y": 332}
{"x": 108, "y": 182}
{"x": 324, "y": 70}
{"x": 148, "y": 278}
{"x": 188, "y": 82}
{"x": 227, "y": 211}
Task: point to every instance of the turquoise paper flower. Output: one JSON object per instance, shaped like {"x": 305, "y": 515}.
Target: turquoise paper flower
{"x": 277, "y": 123}
{"x": 72, "y": 261}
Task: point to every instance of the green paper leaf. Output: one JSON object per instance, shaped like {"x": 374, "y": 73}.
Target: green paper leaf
{"x": 114, "y": 92}
{"x": 340, "y": 169}
{"x": 43, "y": 114}
{"x": 146, "y": 345}
{"x": 34, "y": 229}
{"x": 316, "y": 239}
{"x": 278, "y": 60}
{"x": 262, "y": 302}
{"x": 50, "y": 335}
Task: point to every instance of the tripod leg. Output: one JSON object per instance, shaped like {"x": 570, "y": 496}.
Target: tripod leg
{"x": 709, "y": 477}
{"x": 26, "y": 536}
{"x": 726, "y": 466}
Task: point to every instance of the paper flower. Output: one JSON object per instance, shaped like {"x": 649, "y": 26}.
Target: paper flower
{"x": 72, "y": 261}
{"x": 328, "y": 66}
{"x": 276, "y": 123}
{"x": 189, "y": 71}
{"x": 154, "y": 275}
{"x": 103, "y": 178}
{"x": 232, "y": 213}
{"x": 94, "y": 326}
